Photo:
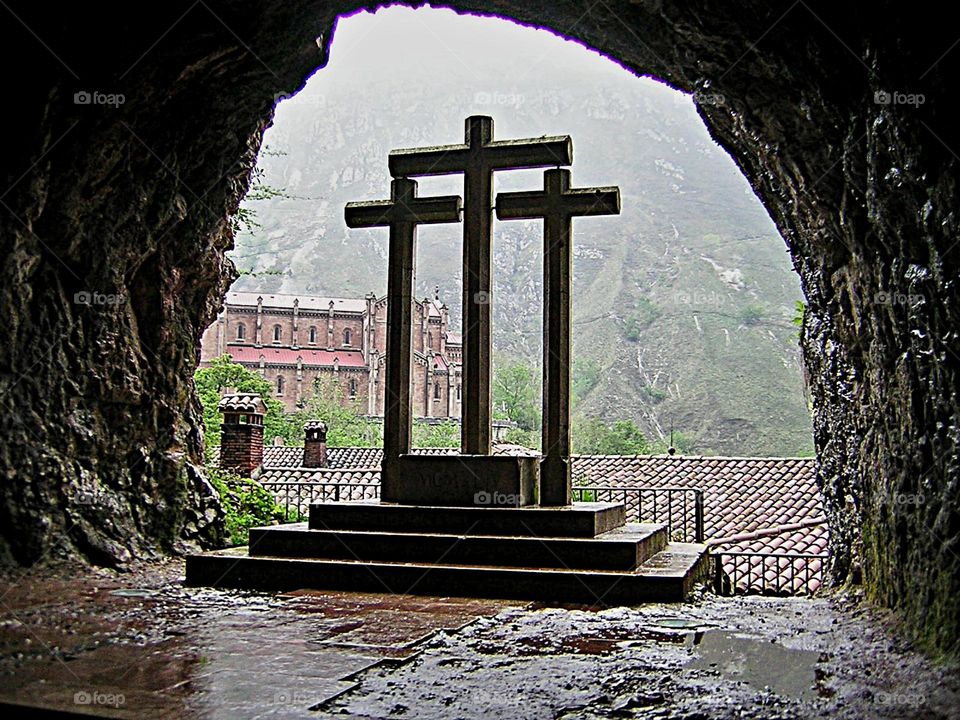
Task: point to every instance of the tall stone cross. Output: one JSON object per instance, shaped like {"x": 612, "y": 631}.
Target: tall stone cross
{"x": 401, "y": 213}
{"x": 557, "y": 204}
{"x": 477, "y": 158}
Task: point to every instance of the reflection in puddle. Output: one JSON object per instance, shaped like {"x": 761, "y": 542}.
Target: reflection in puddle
{"x": 757, "y": 662}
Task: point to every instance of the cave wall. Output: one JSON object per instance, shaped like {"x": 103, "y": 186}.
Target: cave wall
{"x": 99, "y": 426}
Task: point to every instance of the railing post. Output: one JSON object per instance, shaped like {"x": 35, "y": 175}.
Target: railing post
{"x": 698, "y": 516}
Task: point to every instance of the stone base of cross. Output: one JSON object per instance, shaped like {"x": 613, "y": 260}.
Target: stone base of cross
{"x": 475, "y": 477}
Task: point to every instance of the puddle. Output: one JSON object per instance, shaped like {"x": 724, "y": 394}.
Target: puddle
{"x": 758, "y": 663}
{"x": 133, "y": 593}
{"x": 676, "y": 623}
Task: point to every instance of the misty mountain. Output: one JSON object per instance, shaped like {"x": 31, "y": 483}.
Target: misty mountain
{"x": 683, "y": 302}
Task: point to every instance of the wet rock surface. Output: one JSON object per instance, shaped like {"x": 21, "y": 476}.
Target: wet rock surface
{"x": 138, "y": 644}
{"x": 116, "y": 224}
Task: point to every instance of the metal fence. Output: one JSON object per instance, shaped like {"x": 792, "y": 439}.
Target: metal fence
{"x": 681, "y": 509}
{"x": 751, "y": 573}
{"x": 296, "y": 497}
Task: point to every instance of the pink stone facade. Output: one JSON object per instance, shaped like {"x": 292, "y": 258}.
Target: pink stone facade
{"x": 292, "y": 340}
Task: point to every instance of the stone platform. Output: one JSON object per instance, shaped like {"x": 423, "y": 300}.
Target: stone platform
{"x": 583, "y": 553}
{"x": 463, "y": 480}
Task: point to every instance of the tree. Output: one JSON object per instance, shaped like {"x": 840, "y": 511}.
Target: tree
{"x": 436, "y": 435}
{"x": 223, "y": 373}
{"x": 346, "y": 425}
{"x": 515, "y": 394}
{"x": 585, "y": 377}
{"x": 592, "y": 436}
{"x": 681, "y": 443}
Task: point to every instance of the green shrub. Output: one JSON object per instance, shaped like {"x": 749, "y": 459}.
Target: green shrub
{"x": 247, "y": 504}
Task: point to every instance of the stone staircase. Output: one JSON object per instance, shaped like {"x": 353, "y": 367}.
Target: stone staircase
{"x": 584, "y": 553}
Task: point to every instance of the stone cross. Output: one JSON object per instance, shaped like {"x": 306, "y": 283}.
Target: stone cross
{"x": 557, "y": 204}
{"x": 401, "y": 213}
{"x": 477, "y": 158}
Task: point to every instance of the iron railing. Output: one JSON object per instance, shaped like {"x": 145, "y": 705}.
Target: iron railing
{"x": 752, "y": 573}
{"x": 297, "y": 496}
{"x": 681, "y": 509}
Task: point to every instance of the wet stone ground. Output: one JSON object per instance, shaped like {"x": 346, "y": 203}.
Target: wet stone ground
{"x": 139, "y": 644}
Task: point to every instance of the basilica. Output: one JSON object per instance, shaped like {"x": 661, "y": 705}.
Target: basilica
{"x": 292, "y": 340}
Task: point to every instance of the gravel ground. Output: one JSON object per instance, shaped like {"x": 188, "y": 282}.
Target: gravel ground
{"x": 170, "y": 651}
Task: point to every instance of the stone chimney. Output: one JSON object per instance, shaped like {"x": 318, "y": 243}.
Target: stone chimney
{"x": 314, "y": 444}
{"x": 241, "y": 434}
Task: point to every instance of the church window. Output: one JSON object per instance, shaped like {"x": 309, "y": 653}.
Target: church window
{"x": 313, "y": 335}
{"x": 277, "y": 333}
{"x": 280, "y": 385}
{"x": 241, "y": 331}
{"x": 347, "y": 336}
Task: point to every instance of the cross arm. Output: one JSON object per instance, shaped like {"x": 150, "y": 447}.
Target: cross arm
{"x": 439, "y": 160}
{"x": 422, "y": 211}
{"x": 368, "y": 214}
{"x": 498, "y": 155}
{"x": 531, "y": 153}
{"x": 593, "y": 201}
{"x": 533, "y": 204}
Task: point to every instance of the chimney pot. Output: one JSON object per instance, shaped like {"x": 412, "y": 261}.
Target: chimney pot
{"x": 315, "y": 444}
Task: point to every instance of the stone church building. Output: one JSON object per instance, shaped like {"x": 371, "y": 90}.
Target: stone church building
{"x": 294, "y": 339}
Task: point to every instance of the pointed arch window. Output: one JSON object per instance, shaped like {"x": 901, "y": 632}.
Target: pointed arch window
{"x": 277, "y": 333}
{"x": 241, "y": 331}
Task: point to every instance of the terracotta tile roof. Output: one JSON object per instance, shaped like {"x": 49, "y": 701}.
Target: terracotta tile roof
{"x": 741, "y": 495}
{"x": 753, "y": 505}
{"x": 288, "y": 356}
{"x": 306, "y": 302}
{"x": 282, "y": 456}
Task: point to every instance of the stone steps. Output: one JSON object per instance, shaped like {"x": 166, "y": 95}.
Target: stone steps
{"x": 583, "y": 553}
{"x": 668, "y": 576}
{"x": 624, "y": 548}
